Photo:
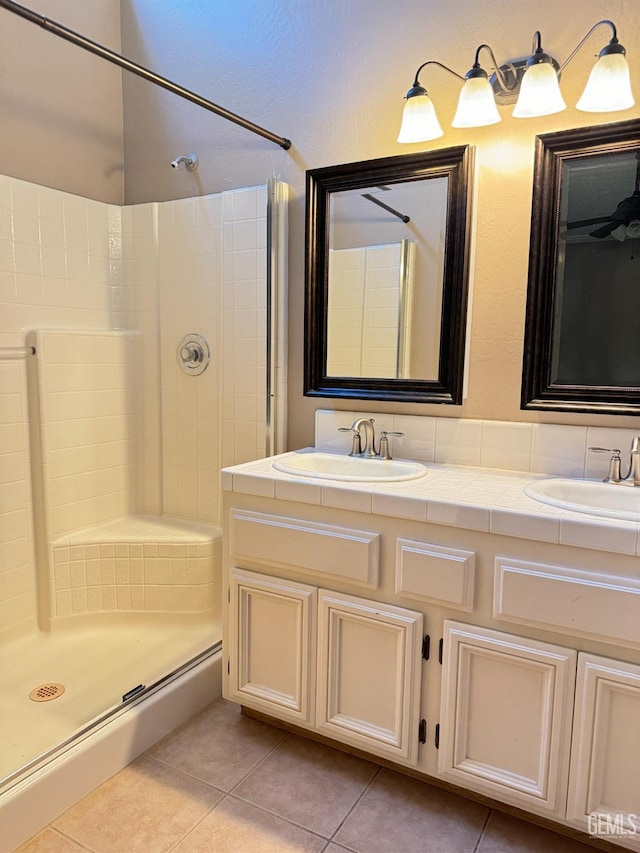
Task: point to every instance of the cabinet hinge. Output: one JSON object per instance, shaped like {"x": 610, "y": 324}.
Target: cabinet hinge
{"x": 426, "y": 646}
{"x": 437, "y": 737}
{"x": 440, "y": 649}
{"x": 422, "y": 731}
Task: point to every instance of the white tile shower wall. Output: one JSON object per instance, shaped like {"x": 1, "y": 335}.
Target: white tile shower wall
{"x": 190, "y": 276}
{"x": 537, "y": 448}
{"x": 88, "y": 411}
{"x": 212, "y": 281}
{"x": 17, "y": 578}
{"x": 345, "y": 311}
{"x": 244, "y": 319}
{"x": 60, "y": 260}
{"x": 138, "y": 302}
{"x": 363, "y": 311}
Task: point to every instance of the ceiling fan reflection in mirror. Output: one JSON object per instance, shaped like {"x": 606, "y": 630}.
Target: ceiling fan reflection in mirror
{"x": 623, "y": 222}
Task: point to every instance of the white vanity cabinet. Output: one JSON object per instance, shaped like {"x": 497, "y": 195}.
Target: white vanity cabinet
{"x": 348, "y": 667}
{"x": 528, "y": 691}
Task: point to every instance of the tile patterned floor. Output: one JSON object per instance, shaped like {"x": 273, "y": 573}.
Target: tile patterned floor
{"x": 224, "y": 783}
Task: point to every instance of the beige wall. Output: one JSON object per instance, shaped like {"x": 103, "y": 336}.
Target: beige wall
{"x": 61, "y": 107}
{"x": 331, "y": 74}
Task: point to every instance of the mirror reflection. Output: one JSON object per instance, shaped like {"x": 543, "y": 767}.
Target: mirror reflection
{"x": 387, "y": 277}
{"x": 582, "y": 339}
{"x": 386, "y": 265}
{"x": 598, "y": 272}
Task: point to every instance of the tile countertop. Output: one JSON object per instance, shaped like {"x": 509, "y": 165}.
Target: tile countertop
{"x": 486, "y": 499}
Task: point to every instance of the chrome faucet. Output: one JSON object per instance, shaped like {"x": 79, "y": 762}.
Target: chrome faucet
{"x": 363, "y": 428}
{"x": 614, "y": 474}
{"x": 359, "y": 428}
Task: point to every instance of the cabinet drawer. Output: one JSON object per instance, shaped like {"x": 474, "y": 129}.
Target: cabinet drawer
{"x": 590, "y": 604}
{"x": 320, "y": 549}
{"x": 434, "y": 573}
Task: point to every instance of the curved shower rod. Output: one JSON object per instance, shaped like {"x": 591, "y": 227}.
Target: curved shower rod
{"x": 123, "y": 62}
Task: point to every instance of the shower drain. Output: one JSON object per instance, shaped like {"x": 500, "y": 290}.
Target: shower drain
{"x": 46, "y": 692}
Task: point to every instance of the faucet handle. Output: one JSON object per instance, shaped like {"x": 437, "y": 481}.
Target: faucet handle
{"x": 613, "y": 475}
{"x": 383, "y": 453}
{"x": 356, "y": 447}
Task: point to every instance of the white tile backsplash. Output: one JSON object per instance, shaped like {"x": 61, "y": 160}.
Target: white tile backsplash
{"x": 458, "y": 441}
{"x": 559, "y": 450}
{"x": 506, "y": 445}
{"x": 553, "y": 449}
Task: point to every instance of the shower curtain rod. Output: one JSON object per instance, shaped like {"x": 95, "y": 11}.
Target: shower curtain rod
{"x": 123, "y": 62}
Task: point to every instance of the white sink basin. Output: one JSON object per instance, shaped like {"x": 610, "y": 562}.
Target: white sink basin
{"x": 590, "y": 496}
{"x": 355, "y": 469}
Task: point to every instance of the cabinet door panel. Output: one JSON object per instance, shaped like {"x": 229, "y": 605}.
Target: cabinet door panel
{"x": 506, "y": 716}
{"x": 605, "y": 758}
{"x": 369, "y": 675}
{"x": 272, "y": 654}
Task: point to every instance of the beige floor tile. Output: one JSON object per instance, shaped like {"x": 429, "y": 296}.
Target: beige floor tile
{"x": 219, "y": 745}
{"x": 308, "y": 783}
{"x": 237, "y": 827}
{"x": 146, "y": 808}
{"x": 408, "y": 816}
{"x": 49, "y": 841}
{"x": 505, "y": 834}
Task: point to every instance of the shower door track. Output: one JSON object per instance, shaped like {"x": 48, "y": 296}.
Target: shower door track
{"x": 44, "y": 757}
{"x": 111, "y": 56}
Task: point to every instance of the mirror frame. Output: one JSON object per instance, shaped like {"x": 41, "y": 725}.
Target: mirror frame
{"x": 456, "y": 165}
{"x": 552, "y": 151}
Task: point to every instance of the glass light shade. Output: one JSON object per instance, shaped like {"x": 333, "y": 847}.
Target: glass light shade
{"x": 633, "y": 228}
{"x": 609, "y": 86}
{"x": 620, "y": 233}
{"x": 539, "y": 92}
{"x": 419, "y": 120}
{"x": 476, "y": 104}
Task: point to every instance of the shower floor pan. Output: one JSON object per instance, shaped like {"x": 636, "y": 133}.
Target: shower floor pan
{"x": 97, "y": 665}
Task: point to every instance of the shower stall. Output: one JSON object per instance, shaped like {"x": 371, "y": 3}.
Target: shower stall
{"x": 142, "y": 349}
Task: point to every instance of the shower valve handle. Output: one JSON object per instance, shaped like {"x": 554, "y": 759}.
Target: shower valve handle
{"x": 192, "y": 354}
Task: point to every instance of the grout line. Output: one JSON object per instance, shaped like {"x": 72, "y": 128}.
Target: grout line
{"x": 362, "y": 793}
{"x": 483, "y": 831}
{"x": 182, "y": 771}
{"x": 196, "y": 824}
{"x": 62, "y": 834}
{"x": 277, "y": 815}
{"x": 285, "y": 735}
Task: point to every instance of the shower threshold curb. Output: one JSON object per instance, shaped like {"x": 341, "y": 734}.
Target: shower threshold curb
{"x": 106, "y": 748}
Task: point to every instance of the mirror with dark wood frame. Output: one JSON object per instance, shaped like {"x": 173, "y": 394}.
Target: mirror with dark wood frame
{"x": 582, "y": 329}
{"x": 387, "y": 266}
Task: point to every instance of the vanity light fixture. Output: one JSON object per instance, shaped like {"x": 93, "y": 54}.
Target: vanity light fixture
{"x": 533, "y": 83}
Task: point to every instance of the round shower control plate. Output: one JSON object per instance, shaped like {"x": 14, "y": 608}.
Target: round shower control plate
{"x": 193, "y": 354}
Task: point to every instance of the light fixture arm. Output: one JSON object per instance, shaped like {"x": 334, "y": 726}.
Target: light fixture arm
{"x": 500, "y": 75}
{"x": 416, "y": 82}
{"x": 614, "y": 41}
